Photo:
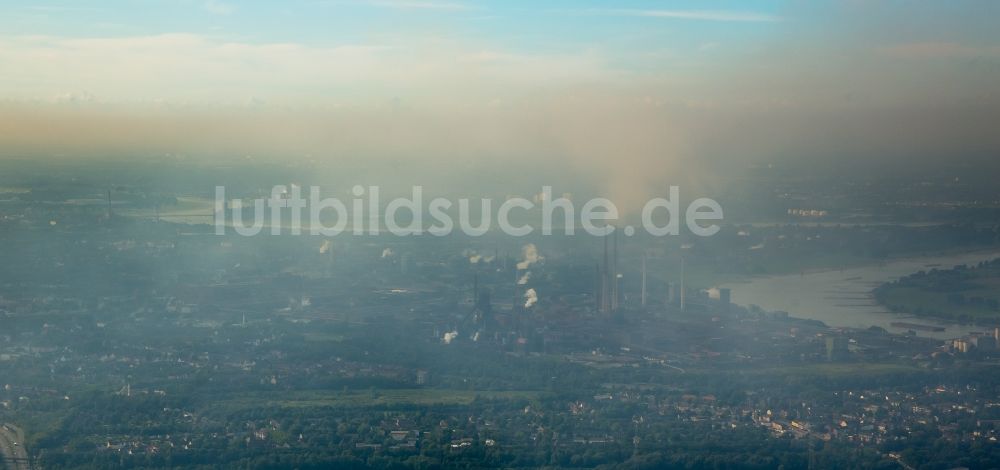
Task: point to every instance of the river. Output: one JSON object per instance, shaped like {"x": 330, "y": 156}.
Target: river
{"x": 842, "y": 298}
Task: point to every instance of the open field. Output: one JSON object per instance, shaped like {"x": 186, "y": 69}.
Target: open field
{"x": 373, "y": 399}
{"x": 836, "y": 370}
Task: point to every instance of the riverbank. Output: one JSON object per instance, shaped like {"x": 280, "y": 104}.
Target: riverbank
{"x": 843, "y": 297}
{"x": 969, "y": 294}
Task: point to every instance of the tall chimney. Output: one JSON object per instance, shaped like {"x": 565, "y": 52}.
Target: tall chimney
{"x": 515, "y": 300}
{"x": 614, "y": 274}
{"x": 682, "y": 283}
{"x": 598, "y": 286}
{"x": 643, "y": 297}
{"x": 605, "y": 286}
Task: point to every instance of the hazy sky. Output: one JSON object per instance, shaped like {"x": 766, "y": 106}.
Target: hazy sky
{"x": 697, "y": 53}
{"x": 649, "y": 84}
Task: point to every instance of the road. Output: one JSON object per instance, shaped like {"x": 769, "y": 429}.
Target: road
{"x": 12, "y": 448}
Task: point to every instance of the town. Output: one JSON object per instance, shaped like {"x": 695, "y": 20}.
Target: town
{"x": 199, "y": 349}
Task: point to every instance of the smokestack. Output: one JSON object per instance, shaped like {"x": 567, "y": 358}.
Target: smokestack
{"x": 605, "y": 282}
{"x": 643, "y": 296}
{"x": 682, "y": 283}
{"x": 598, "y": 285}
{"x": 515, "y": 301}
{"x": 614, "y": 274}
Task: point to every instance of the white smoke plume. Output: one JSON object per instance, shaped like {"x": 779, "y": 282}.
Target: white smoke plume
{"x": 524, "y": 279}
{"x": 325, "y": 247}
{"x": 529, "y": 256}
{"x": 449, "y": 336}
{"x": 387, "y": 253}
{"x": 531, "y": 297}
